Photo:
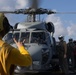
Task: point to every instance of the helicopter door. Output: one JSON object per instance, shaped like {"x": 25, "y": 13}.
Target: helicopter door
{"x": 49, "y": 43}
{"x": 48, "y": 39}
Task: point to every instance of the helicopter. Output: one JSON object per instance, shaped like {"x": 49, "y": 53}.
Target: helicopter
{"x": 37, "y": 37}
{"x": 39, "y": 40}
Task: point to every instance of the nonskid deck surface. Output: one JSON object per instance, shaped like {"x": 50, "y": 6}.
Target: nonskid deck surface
{"x": 46, "y": 73}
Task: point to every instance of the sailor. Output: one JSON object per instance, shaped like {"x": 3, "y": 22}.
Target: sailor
{"x": 62, "y": 54}
{"x": 70, "y": 53}
{"x": 9, "y": 55}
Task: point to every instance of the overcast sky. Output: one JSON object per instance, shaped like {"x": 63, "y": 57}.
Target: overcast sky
{"x": 65, "y": 24}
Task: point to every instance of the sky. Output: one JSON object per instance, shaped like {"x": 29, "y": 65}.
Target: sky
{"x": 65, "y": 24}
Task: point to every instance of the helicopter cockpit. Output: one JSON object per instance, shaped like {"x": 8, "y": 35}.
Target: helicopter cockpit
{"x": 36, "y": 37}
{"x": 27, "y": 36}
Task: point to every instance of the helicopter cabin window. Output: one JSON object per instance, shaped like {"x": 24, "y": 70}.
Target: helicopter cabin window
{"x": 25, "y": 37}
{"x": 38, "y": 37}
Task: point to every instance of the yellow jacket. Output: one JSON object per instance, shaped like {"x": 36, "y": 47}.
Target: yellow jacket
{"x": 10, "y": 55}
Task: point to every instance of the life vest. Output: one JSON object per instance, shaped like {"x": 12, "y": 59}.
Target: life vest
{"x": 4, "y": 52}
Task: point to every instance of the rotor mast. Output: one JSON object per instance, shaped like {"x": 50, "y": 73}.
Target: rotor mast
{"x": 31, "y": 18}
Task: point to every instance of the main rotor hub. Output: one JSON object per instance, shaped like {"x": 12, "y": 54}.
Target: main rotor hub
{"x": 34, "y": 11}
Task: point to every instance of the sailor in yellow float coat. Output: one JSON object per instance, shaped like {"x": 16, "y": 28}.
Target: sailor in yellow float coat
{"x": 10, "y": 55}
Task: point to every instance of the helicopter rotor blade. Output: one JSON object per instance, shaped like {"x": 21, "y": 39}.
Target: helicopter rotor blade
{"x": 53, "y": 12}
{"x": 7, "y": 11}
{"x": 18, "y": 11}
{"x": 65, "y": 12}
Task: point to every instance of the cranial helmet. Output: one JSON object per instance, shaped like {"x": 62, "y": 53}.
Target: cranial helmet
{"x": 61, "y": 37}
{"x": 4, "y": 24}
{"x": 70, "y": 39}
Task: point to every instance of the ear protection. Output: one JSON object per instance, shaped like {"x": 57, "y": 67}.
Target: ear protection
{"x": 4, "y": 23}
{"x": 1, "y": 21}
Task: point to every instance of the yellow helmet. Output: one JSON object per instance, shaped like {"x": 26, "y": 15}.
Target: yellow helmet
{"x": 1, "y": 21}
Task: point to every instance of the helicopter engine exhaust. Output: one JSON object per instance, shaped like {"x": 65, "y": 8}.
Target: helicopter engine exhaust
{"x": 50, "y": 27}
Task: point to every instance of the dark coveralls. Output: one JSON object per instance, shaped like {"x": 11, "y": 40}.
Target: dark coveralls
{"x": 63, "y": 60}
{"x": 70, "y": 53}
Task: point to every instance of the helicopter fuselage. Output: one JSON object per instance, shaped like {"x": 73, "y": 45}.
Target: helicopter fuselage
{"x": 37, "y": 40}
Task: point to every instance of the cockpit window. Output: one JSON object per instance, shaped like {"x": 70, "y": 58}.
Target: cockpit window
{"x": 38, "y": 37}
{"x": 8, "y": 38}
{"x": 16, "y": 36}
{"x": 25, "y": 37}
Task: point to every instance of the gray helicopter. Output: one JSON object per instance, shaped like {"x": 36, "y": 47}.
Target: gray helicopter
{"x": 37, "y": 37}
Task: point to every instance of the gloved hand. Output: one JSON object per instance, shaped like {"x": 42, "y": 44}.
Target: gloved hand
{"x": 19, "y": 44}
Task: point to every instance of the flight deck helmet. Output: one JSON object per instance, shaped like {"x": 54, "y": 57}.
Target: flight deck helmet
{"x": 70, "y": 39}
{"x": 4, "y": 24}
{"x": 61, "y": 37}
